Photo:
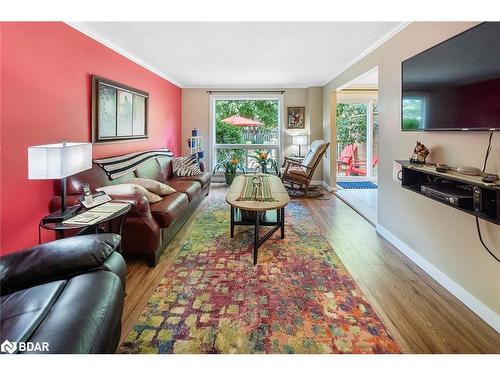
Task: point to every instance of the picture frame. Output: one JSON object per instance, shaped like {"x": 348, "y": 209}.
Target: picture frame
{"x": 296, "y": 117}
{"x": 119, "y": 112}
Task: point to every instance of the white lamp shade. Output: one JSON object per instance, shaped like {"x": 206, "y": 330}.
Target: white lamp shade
{"x": 300, "y": 140}
{"x": 58, "y": 160}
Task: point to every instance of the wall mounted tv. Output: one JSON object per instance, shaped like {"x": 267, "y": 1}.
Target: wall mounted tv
{"x": 454, "y": 85}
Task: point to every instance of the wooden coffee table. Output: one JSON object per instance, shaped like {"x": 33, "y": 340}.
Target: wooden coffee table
{"x": 256, "y": 213}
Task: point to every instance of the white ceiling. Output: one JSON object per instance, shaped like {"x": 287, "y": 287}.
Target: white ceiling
{"x": 247, "y": 54}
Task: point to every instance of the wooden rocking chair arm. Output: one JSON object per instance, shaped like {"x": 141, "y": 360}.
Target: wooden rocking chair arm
{"x": 294, "y": 162}
{"x": 287, "y": 159}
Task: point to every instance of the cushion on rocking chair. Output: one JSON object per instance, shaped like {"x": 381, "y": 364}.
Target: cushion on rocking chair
{"x": 295, "y": 170}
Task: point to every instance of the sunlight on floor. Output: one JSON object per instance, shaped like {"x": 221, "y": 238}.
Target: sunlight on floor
{"x": 362, "y": 200}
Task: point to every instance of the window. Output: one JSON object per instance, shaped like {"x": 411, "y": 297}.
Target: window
{"x": 244, "y": 124}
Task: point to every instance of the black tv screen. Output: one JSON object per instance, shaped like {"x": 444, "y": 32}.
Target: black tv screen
{"x": 454, "y": 85}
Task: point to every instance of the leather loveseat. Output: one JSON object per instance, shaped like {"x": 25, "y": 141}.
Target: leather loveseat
{"x": 63, "y": 296}
{"x": 147, "y": 228}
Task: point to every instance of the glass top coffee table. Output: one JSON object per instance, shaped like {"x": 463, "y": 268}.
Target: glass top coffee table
{"x": 251, "y": 212}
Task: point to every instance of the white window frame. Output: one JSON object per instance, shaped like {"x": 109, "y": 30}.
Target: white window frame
{"x": 244, "y": 96}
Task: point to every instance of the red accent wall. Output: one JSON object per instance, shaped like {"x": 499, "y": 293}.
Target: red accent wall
{"x": 45, "y": 97}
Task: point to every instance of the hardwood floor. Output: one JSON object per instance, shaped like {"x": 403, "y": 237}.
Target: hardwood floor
{"x": 364, "y": 201}
{"x": 419, "y": 313}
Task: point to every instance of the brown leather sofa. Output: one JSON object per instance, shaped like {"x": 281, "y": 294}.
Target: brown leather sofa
{"x": 147, "y": 228}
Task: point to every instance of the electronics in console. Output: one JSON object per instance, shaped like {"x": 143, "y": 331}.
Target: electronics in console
{"x": 443, "y": 190}
{"x": 468, "y": 194}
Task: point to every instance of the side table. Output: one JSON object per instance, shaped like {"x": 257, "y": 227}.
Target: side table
{"x": 61, "y": 229}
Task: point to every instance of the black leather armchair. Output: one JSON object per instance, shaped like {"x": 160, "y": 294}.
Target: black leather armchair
{"x": 68, "y": 294}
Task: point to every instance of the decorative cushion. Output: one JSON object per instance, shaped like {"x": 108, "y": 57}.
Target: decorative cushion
{"x": 298, "y": 170}
{"x": 186, "y": 166}
{"x": 153, "y": 186}
{"x": 294, "y": 170}
{"x": 125, "y": 189}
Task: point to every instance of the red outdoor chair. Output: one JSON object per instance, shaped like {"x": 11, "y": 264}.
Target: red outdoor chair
{"x": 346, "y": 156}
{"x": 359, "y": 167}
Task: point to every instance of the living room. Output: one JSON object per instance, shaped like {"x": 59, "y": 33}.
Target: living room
{"x": 199, "y": 190}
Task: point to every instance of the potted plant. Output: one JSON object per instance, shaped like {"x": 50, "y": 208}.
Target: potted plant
{"x": 230, "y": 165}
{"x": 264, "y": 161}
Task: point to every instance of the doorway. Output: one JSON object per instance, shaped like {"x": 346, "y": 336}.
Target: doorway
{"x": 357, "y": 144}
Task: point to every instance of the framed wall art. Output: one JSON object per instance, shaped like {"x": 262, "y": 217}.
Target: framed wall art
{"x": 119, "y": 112}
{"x": 296, "y": 117}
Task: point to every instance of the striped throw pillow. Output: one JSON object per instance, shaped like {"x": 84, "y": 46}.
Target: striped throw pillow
{"x": 186, "y": 166}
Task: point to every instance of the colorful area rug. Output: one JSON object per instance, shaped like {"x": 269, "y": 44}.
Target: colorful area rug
{"x": 298, "y": 299}
{"x": 358, "y": 185}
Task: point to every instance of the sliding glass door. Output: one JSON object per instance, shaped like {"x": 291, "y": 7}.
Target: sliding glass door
{"x": 357, "y": 140}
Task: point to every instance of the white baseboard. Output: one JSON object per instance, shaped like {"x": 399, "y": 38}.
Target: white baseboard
{"x": 328, "y": 187}
{"x": 484, "y": 312}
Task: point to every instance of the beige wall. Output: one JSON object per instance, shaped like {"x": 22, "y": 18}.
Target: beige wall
{"x": 444, "y": 236}
{"x": 196, "y": 113}
{"x": 354, "y": 95}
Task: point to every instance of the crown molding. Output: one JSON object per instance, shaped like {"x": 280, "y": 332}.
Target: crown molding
{"x": 239, "y": 87}
{"x": 374, "y": 46}
{"x": 99, "y": 38}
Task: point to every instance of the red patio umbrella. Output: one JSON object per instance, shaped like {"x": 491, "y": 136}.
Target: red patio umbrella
{"x": 237, "y": 120}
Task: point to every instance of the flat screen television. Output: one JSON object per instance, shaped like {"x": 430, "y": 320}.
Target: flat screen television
{"x": 454, "y": 85}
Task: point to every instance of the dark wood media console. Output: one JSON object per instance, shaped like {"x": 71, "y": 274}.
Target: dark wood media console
{"x": 481, "y": 199}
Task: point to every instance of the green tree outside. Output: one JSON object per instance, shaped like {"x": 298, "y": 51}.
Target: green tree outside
{"x": 351, "y": 123}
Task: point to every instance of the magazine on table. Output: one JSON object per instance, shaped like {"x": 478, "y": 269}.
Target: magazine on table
{"x": 96, "y": 214}
{"x": 84, "y": 218}
{"x": 110, "y": 207}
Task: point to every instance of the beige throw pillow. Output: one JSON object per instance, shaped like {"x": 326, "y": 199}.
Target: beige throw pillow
{"x": 153, "y": 186}
{"x": 126, "y": 189}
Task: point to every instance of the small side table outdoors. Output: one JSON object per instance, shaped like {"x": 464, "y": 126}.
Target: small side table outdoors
{"x": 60, "y": 228}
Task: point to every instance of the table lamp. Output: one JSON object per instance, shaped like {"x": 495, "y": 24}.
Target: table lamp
{"x": 58, "y": 161}
{"x": 299, "y": 140}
